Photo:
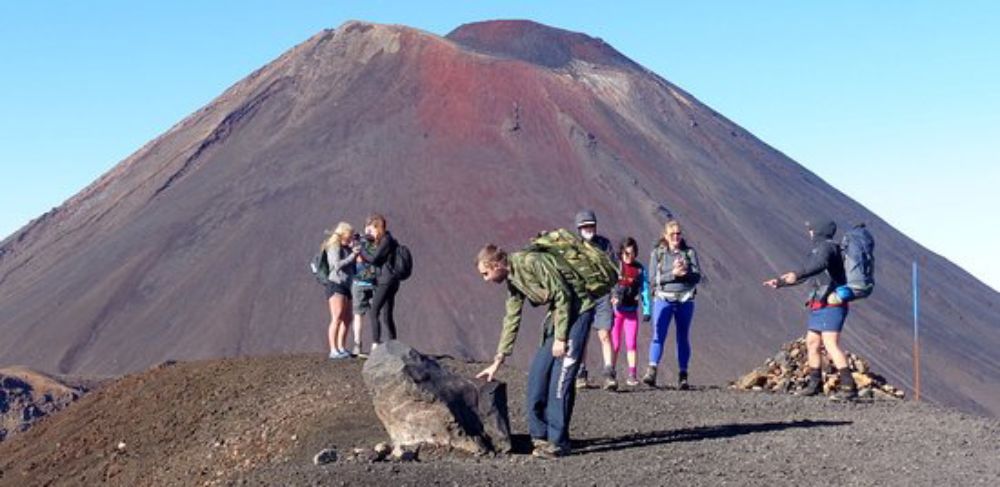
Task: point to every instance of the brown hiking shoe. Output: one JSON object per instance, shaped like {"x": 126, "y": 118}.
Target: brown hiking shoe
{"x": 845, "y": 394}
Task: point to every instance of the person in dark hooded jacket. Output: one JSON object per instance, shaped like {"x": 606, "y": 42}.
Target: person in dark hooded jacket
{"x": 381, "y": 255}
{"x": 824, "y": 270}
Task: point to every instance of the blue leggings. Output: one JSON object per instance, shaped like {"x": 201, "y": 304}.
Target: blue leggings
{"x": 663, "y": 312}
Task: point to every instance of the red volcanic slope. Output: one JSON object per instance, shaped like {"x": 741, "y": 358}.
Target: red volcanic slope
{"x": 195, "y": 246}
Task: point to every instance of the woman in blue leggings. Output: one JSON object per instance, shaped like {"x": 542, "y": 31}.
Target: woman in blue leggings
{"x": 674, "y": 274}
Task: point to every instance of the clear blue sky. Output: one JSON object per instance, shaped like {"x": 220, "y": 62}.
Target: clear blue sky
{"x": 906, "y": 93}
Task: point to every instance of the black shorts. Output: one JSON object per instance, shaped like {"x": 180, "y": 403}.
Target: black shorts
{"x": 337, "y": 288}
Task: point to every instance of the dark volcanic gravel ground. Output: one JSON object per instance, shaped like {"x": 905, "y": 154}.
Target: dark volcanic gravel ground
{"x": 258, "y": 421}
{"x": 713, "y": 436}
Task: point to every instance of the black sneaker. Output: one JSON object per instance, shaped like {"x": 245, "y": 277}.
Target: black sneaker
{"x": 812, "y": 388}
{"x": 649, "y": 378}
{"x": 581, "y": 379}
{"x": 845, "y": 394}
{"x": 682, "y": 381}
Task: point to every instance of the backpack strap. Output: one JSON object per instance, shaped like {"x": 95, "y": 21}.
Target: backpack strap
{"x": 657, "y": 258}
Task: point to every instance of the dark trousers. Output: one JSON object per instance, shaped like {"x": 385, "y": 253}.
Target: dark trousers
{"x": 551, "y": 392}
{"x": 383, "y": 304}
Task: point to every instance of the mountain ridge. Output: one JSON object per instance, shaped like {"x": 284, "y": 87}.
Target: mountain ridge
{"x": 195, "y": 245}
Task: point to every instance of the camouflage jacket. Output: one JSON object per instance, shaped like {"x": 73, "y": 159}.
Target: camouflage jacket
{"x": 536, "y": 276}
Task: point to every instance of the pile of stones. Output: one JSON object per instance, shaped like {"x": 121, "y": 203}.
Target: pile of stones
{"x": 787, "y": 372}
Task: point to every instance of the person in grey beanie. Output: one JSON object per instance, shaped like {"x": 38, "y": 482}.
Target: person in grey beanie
{"x": 586, "y": 225}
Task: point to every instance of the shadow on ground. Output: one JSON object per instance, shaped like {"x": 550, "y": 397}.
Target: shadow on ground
{"x": 637, "y": 440}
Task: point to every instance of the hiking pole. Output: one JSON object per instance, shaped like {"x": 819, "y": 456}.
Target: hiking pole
{"x": 916, "y": 334}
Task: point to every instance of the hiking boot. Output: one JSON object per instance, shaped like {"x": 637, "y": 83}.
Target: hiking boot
{"x": 610, "y": 382}
{"x": 682, "y": 381}
{"x": 548, "y": 451}
{"x": 812, "y": 387}
{"x": 845, "y": 394}
{"x": 581, "y": 379}
{"x": 649, "y": 378}
{"x": 632, "y": 381}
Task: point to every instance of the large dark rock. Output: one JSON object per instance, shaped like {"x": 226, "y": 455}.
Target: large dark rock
{"x": 421, "y": 403}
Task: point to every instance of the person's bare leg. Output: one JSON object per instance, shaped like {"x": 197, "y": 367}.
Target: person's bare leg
{"x": 814, "y": 385}
{"x": 605, "y": 337}
{"x": 345, "y": 324}
{"x": 357, "y": 331}
{"x": 847, "y": 390}
{"x": 831, "y": 341}
{"x": 337, "y": 310}
{"x": 813, "y": 342}
{"x": 331, "y": 331}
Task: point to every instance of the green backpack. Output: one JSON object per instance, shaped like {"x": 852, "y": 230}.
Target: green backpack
{"x": 588, "y": 264}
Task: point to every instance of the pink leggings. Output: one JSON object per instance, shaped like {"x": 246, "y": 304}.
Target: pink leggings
{"x": 629, "y": 322}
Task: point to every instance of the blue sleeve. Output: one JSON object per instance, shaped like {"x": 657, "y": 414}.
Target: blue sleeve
{"x": 645, "y": 294}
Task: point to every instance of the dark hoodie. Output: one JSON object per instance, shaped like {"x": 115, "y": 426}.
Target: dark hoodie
{"x": 380, "y": 257}
{"x": 825, "y": 265}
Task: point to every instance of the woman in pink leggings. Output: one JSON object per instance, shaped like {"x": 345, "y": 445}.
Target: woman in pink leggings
{"x": 632, "y": 287}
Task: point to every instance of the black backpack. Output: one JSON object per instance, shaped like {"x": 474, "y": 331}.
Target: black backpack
{"x": 402, "y": 263}
{"x": 320, "y": 268}
{"x": 858, "y": 249}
